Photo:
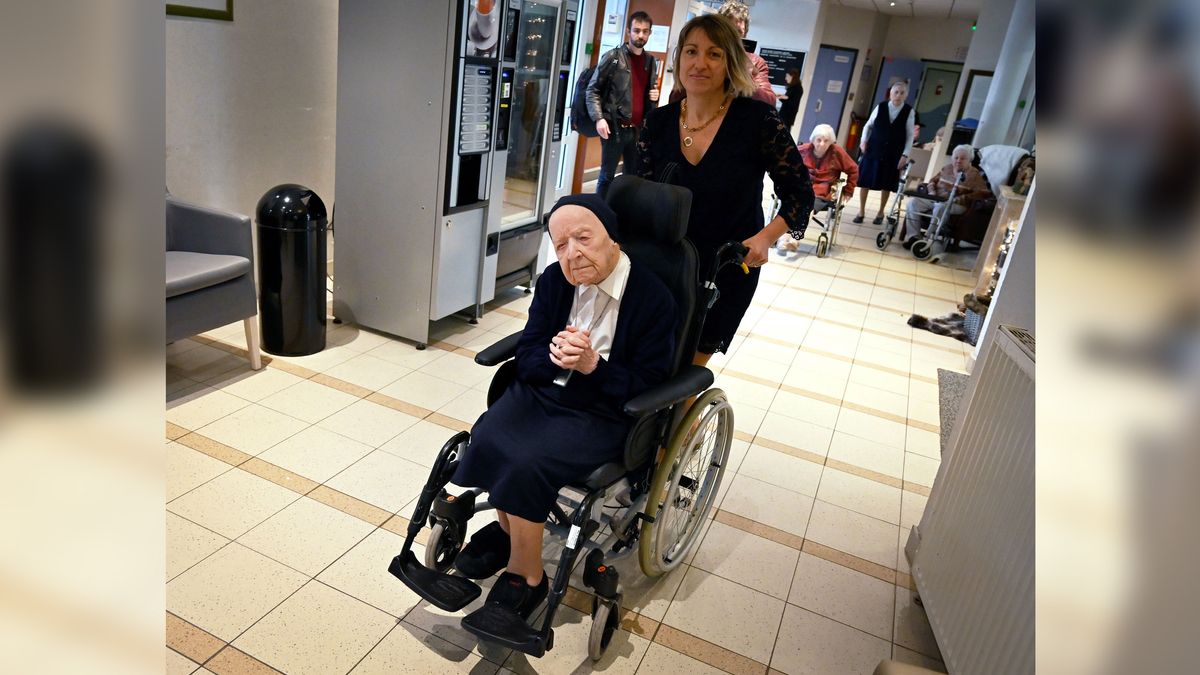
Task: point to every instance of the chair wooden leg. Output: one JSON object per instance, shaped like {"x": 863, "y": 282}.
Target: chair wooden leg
{"x": 252, "y": 348}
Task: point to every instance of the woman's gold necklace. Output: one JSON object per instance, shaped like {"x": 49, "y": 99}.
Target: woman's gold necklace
{"x": 687, "y": 140}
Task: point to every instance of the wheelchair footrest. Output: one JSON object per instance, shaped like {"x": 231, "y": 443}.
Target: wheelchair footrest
{"x": 445, "y": 591}
{"x": 496, "y": 623}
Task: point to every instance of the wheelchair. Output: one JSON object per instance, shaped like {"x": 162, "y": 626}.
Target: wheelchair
{"x": 828, "y": 219}
{"x": 664, "y": 486}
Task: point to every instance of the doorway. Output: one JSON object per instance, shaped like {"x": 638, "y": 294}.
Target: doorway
{"x": 830, "y": 86}
{"x": 938, "y": 86}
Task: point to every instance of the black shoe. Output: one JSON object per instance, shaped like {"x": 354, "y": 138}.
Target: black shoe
{"x": 486, "y": 553}
{"x": 512, "y": 591}
{"x": 878, "y": 220}
{"x": 857, "y": 219}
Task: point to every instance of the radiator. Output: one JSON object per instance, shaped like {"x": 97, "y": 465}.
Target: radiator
{"x": 973, "y": 551}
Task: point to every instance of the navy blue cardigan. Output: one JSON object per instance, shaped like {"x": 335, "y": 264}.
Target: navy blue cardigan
{"x": 643, "y": 346}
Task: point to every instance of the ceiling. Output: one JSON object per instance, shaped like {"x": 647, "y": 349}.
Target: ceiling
{"x": 924, "y": 9}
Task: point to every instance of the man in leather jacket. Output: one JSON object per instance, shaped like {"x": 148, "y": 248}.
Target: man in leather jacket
{"x": 622, "y": 90}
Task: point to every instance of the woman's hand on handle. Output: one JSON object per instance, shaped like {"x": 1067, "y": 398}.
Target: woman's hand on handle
{"x": 759, "y": 246}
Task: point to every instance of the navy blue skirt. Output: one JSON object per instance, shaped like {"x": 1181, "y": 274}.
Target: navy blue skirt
{"x": 527, "y": 447}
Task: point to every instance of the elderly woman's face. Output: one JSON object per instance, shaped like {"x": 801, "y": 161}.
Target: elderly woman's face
{"x": 585, "y": 252}
{"x": 898, "y": 93}
{"x": 820, "y": 144}
{"x": 961, "y": 161}
{"x": 702, "y": 63}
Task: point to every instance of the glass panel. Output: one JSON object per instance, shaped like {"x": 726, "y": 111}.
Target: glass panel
{"x": 530, "y": 108}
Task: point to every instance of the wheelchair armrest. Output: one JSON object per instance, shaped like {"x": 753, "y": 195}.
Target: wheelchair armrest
{"x": 499, "y": 352}
{"x": 691, "y": 381}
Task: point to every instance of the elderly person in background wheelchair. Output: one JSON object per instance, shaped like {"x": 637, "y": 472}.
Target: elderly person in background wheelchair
{"x": 921, "y": 211}
{"x": 827, "y": 162}
{"x": 600, "y": 331}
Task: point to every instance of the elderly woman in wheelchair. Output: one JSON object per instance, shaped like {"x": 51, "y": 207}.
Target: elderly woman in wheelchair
{"x": 834, "y": 175}
{"x": 593, "y": 398}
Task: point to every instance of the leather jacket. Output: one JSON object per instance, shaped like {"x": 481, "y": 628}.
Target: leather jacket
{"x": 608, "y": 94}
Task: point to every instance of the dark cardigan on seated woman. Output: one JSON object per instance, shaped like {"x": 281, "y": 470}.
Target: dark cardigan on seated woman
{"x": 539, "y": 436}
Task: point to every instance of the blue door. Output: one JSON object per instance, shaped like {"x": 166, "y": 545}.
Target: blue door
{"x": 830, "y": 86}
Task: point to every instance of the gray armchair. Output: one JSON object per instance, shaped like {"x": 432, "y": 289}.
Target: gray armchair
{"x": 210, "y": 273}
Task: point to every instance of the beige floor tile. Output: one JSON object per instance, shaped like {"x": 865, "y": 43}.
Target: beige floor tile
{"x": 204, "y": 362}
{"x": 425, "y": 390}
{"x": 882, "y": 359}
{"x": 867, "y": 454}
{"x": 354, "y": 337}
{"x": 796, "y": 433}
{"x": 878, "y": 399}
{"x": 571, "y": 630}
{"x": 660, "y": 660}
{"x": 362, "y": 573}
{"x": 467, "y": 407}
{"x": 368, "y": 371}
{"x": 924, "y": 443}
{"x": 254, "y": 385}
{"x": 768, "y": 504}
{"x": 316, "y": 630}
{"x": 922, "y": 411}
{"x": 919, "y": 469}
{"x": 419, "y": 443}
{"x": 188, "y": 468}
{"x": 315, "y": 453}
{"x": 919, "y": 390}
{"x": 232, "y": 503}
{"x": 648, "y": 596}
{"x": 787, "y": 327}
{"x": 912, "y": 629}
{"x": 408, "y": 649}
{"x": 322, "y": 360}
{"x": 368, "y": 423}
{"x": 806, "y": 409}
{"x": 178, "y": 664}
{"x": 230, "y": 590}
{"x": 306, "y": 536}
{"x": 406, "y": 354}
{"x": 844, "y": 595}
{"x": 871, "y": 428}
{"x": 743, "y": 392}
{"x": 782, "y": 470}
{"x": 199, "y": 406}
{"x": 905, "y": 655}
{"x": 458, "y": 369}
{"x": 727, "y": 614}
{"x": 748, "y": 419}
{"x": 873, "y": 377}
{"x": 747, "y": 559}
{"x": 253, "y": 429}
{"x": 819, "y": 366}
{"x": 381, "y": 479}
{"x": 810, "y": 644}
{"x": 861, "y": 495}
{"x": 309, "y": 401}
{"x": 771, "y": 351}
{"x": 912, "y": 507}
{"x": 744, "y": 362}
{"x": 188, "y": 544}
{"x": 862, "y": 536}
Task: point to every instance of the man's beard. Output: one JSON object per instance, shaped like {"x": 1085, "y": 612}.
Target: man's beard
{"x": 639, "y": 42}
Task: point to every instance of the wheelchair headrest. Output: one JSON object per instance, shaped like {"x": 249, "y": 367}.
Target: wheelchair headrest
{"x": 650, "y": 211}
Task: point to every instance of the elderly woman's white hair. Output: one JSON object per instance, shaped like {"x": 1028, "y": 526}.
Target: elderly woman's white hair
{"x": 964, "y": 149}
{"x": 823, "y": 130}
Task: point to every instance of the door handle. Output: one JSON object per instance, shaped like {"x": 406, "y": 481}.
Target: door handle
{"x": 819, "y": 104}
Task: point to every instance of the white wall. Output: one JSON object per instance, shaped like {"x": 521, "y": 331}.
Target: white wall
{"x": 783, "y": 24}
{"x": 852, "y": 29}
{"x": 251, "y": 104}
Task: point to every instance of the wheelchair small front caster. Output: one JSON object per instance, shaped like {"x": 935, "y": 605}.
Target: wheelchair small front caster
{"x": 921, "y": 249}
{"x": 822, "y": 246}
{"x": 606, "y": 616}
{"x": 442, "y": 547}
{"x": 882, "y": 240}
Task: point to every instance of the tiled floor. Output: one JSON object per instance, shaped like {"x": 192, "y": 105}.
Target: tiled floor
{"x": 288, "y": 491}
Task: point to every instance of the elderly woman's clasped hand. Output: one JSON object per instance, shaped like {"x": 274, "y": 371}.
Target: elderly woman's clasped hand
{"x": 572, "y": 349}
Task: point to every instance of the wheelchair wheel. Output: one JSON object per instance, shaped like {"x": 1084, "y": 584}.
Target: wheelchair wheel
{"x": 882, "y": 240}
{"x": 822, "y": 245}
{"x": 921, "y": 249}
{"x": 685, "y": 483}
{"x": 442, "y": 547}
{"x": 606, "y": 616}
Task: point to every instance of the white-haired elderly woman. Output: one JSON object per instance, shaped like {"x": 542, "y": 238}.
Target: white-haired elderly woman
{"x": 972, "y": 188}
{"x": 826, "y": 162}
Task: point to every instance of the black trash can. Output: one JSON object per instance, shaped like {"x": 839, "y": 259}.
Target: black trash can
{"x": 292, "y": 259}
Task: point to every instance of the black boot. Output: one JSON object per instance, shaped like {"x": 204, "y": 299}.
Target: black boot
{"x": 512, "y": 591}
{"x": 486, "y": 553}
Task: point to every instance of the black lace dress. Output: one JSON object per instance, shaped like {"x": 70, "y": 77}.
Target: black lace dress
{"x": 727, "y": 194}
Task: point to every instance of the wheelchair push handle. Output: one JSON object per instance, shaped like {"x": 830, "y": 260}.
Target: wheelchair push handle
{"x": 730, "y": 253}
